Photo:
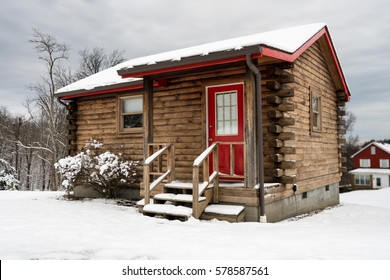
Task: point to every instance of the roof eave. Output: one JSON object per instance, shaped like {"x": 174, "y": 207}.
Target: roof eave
{"x": 229, "y": 56}
{"x": 193, "y": 62}
{"x": 100, "y": 90}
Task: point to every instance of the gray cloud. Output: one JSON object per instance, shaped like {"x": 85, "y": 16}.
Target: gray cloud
{"x": 359, "y": 30}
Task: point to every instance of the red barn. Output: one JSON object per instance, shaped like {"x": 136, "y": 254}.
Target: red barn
{"x": 371, "y": 167}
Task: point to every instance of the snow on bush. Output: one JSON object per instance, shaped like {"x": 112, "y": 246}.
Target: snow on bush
{"x": 8, "y": 179}
{"x": 101, "y": 171}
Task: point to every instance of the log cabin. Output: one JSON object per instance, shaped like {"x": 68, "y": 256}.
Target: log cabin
{"x": 245, "y": 129}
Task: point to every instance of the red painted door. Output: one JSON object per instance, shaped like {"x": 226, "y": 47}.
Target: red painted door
{"x": 226, "y": 126}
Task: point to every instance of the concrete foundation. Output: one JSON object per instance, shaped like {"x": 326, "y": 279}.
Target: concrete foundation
{"x": 296, "y": 205}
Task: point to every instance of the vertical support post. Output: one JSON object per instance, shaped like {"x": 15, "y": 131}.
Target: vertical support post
{"x": 171, "y": 163}
{"x": 148, "y": 112}
{"x": 146, "y": 184}
{"x": 259, "y": 135}
{"x": 159, "y": 160}
{"x": 250, "y": 131}
{"x": 148, "y": 132}
{"x": 216, "y": 180}
{"x": 195, "y": 192}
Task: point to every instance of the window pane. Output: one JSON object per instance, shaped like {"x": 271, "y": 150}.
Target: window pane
{"x": 365, "y": 163}
{"x": 226, "y": 101}
{"x": 132, "y": 105}
{"x": 219, "y": 99}
{"x": 384, "y": 163}
{"x": 234, "y": 98}
{"x": 234, "y": 127}
{"x": 315, "y": 104}
{"x": 315, "y": 120}
{"x": 367, "y": 179}
{"x": 135, "y": 120}
{"x": 227, "y": 113}
{"x": 220, "y": 128}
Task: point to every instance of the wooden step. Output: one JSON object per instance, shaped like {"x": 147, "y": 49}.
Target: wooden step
{"x": 186, "y": 198}
{"x": 187, "y": 186}
{"x": 168, "y": 210}
{"x": 230, "y": 213}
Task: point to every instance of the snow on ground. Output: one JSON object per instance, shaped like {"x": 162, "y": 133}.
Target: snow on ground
{"x": 42, "y": 225}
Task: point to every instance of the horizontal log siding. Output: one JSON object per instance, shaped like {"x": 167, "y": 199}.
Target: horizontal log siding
{"x": 179, "y": 118}
{"x": 97, "y": 119}
{"x": 316, "y": 153}
{"x": 180, "y": 114}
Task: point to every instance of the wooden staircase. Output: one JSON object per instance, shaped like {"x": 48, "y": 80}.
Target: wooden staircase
{"x": 176, "y": 201}
{"x": 181, "y": 200}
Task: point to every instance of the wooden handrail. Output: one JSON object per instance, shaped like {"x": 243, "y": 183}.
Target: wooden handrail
{"x": 148, "y": 167}
{"x": 203, "y": 159}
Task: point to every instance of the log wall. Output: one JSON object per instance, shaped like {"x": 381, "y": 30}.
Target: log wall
{"x": 295, "y": 155}
{"x": 179, "y": 117}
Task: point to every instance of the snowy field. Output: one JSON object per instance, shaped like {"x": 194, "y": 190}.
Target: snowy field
{"x": 42, "y": 225}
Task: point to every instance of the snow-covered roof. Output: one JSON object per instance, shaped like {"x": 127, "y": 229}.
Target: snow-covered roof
{"x": 370, "y": 171}
{"x": 383, "y": 146}
{"x": 287, "y": 40}
{"x": 106, "y": 77}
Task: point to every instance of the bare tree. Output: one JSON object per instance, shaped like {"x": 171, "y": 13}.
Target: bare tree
{"x": 96, "y": 60}
{"x": 63, "y": 76}
{"x": 51, "y": 52}
{"x": 352, "y": 145}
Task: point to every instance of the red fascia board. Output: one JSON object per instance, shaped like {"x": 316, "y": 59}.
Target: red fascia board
{"x": 185, "y": 67}
{"x": 120, "y": 89}
{"x": 290, "y": 57}
{"x": 265, "y": 51}
{"x": 338, "y": 66}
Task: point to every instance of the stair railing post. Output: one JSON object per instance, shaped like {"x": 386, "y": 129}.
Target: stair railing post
{"x": 171, "y": 163}
{"x": 216, "y": 180}
{"x": 195, "y": 192}
{"x": 146, "y": 184}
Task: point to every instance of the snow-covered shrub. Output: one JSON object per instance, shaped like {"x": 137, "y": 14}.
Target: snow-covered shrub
{"x": 8, "y": 176}
{"x": 103, "y": 172}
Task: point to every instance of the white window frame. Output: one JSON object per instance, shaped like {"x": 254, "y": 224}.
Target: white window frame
{"x": 121, "y": 114}
{"x": 384, "y": 163}
{"x": 373, "y": 150}
{"x": 362, "y": 180}
{"x": 316, "y": 114}
{"x": 365, "y": 163}
{"x": 226, "y": 124}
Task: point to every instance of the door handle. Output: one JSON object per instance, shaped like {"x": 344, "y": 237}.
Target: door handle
{"x": 210, "y": 139}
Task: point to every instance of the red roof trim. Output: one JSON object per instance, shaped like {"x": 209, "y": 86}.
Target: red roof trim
{"x": 185, "y": 67}
{"x": 290, "y": 57}
{"x": 133, "y": 87}
{"x": 265, "y": 51}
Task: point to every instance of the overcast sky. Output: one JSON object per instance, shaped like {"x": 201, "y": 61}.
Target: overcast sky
{"x": 360, "y": 31}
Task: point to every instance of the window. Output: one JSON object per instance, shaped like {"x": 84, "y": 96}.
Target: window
{"x": 362, "y": 179}
{"x": 227, "y": 122}
{"x": 131, "y": 114}
{"x": 316, "y": 113}
{"x": 378, "y": 182}
{"x": 373, "y": 150}
{"x": 365, "y": 163}
{"x": 384, "y": 163}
